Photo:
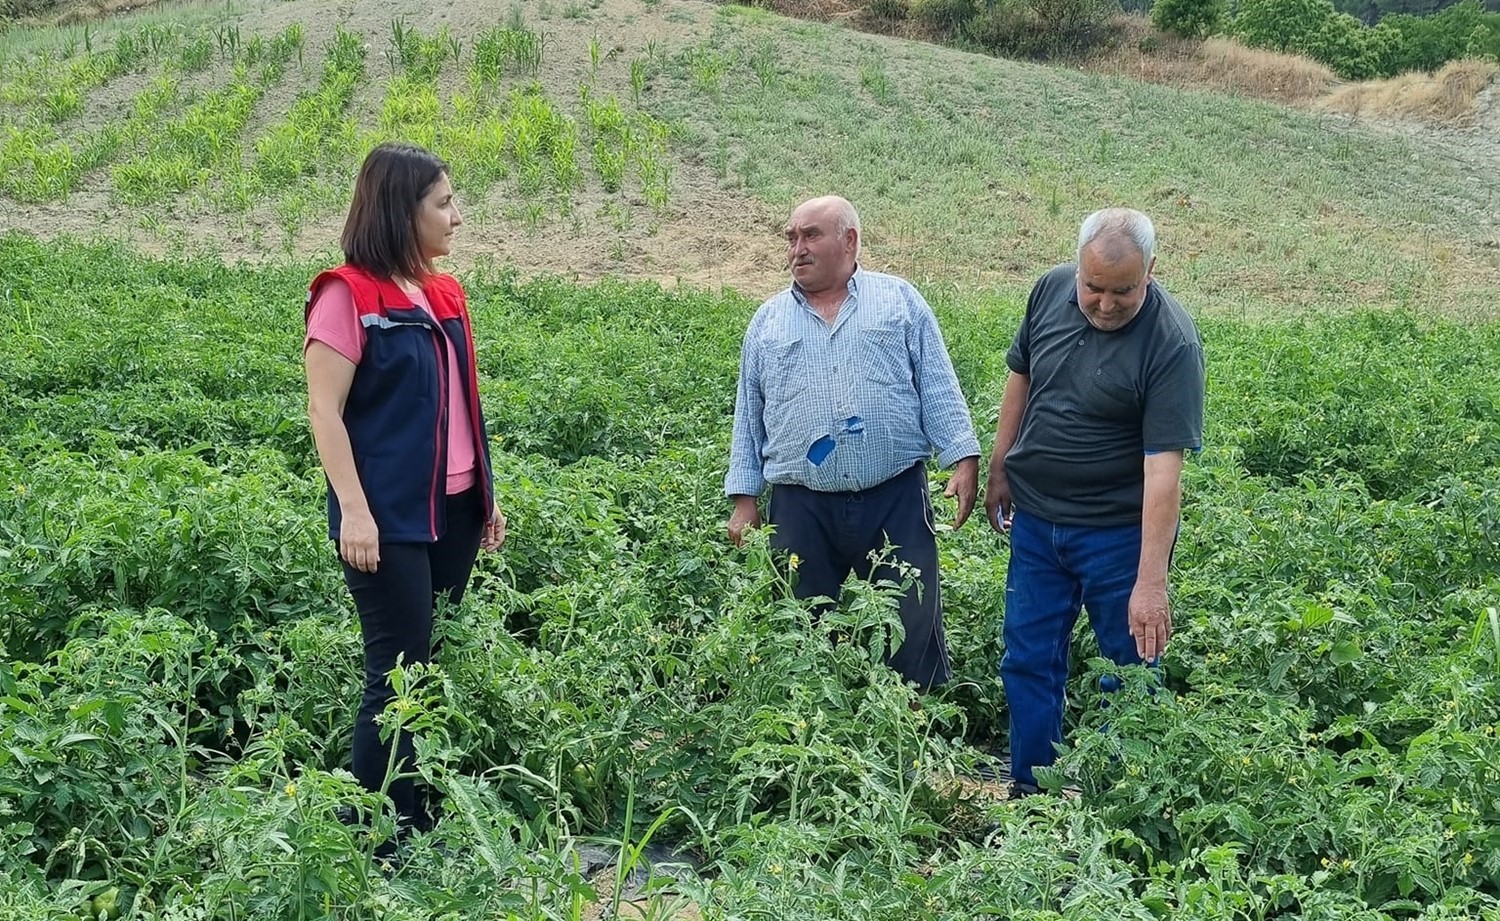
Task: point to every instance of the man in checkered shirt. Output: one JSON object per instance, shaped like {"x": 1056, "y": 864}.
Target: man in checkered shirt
{"x": 845, "y": 391}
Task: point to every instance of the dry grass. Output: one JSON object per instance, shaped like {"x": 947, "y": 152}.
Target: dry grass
{"x": 1217, "y": 64}
{"x": 816, "y": 10}
{"x": 1447, "y": 97}
{"x": 77, "y": 12}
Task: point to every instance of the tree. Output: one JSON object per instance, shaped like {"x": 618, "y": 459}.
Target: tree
{"x": 1282, "y": 25}
{"x": 1429, "y": 42}
{"x": 1190, "y": 18}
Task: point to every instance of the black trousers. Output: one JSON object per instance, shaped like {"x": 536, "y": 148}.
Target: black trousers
{"x": 396, "y": 604}
{"x": 834, "y": 534}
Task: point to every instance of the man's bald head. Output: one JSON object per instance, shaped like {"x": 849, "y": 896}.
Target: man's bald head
{"x": 837, "y": 209}
{"x": 822, "y": 243}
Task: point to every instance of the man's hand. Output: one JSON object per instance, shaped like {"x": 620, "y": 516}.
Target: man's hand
{"x": 746, "y": 515}
{"x": 998, "y": 508}
{"x": 964, "y": 483}
{"x": 1150, "y": 620}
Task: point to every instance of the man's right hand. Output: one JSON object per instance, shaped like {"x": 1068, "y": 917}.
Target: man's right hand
{"x": 359, "y": 540}
{"x": 998, "y": 508}
{"x": 746, "y": 515}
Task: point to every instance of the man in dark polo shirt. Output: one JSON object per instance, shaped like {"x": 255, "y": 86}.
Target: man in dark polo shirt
{"x": 1105, "y": 394}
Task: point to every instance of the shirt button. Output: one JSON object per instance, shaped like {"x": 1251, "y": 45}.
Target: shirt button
{"x": 1080, "y": 342}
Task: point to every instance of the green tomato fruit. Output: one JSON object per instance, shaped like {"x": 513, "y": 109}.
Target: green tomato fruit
{"x": 107, "y": 904}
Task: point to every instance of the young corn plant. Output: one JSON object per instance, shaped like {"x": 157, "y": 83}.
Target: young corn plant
{"x": 499, "y": 51}
{"x": 653, "y": 163}
{"x": 411, "y": 110}
{"x": 611, "y": 148}
{"x": 316, "y": 133}
{"x": 191, "y": 148}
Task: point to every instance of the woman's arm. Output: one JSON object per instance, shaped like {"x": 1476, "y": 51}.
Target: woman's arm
{"x": 329, "y": 377}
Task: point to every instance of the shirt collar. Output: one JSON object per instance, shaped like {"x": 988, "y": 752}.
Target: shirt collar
{"x": 852, "y": 288}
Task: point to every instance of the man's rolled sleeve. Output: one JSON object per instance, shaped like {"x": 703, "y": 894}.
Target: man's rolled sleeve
{"x": 746, "y": 476}
{"x": 945, "y": 413}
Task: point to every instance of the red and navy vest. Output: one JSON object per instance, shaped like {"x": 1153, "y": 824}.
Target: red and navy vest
{"x": 397, "y": 409}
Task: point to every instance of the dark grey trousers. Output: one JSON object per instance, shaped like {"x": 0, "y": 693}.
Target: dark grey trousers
{"x": 834, "y": 534}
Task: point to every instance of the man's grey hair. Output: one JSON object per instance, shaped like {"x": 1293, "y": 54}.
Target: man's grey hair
{"x": 845, "y": 219}
{"x": 1125, "y": 224}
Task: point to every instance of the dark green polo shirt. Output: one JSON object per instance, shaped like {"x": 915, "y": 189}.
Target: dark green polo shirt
{"x": 1099, "y": 402}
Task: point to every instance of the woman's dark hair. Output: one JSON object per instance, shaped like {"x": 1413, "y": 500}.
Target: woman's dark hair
{"x": 380, "y": 234}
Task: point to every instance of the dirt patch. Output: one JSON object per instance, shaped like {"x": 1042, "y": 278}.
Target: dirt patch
{"x": 654, "y": 865}
{"x": 663, "y": 907}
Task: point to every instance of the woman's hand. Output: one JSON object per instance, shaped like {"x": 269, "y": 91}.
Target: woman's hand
{"x": 494, "y": 530}
{"x": 359, "y": 540}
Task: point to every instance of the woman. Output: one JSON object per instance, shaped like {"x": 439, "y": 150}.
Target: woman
{"x": 393, "y": 399}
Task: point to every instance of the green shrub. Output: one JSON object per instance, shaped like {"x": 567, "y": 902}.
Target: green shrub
{"x": 1073, "y": 26}
{"x": 1281, "y": 25}
{"x": 1344, "y": 44}
{"x": 1190, "y": 18}
{"x": 1400, "y": 43}
{"x": 1484, "y": 41}
{"x": 889, "y": 9}
{"x": 1429, "y": 42}
{"x": 1006, "y": 28}
{"x": 1041, "y": 28}
{"x": 946, "y": 16}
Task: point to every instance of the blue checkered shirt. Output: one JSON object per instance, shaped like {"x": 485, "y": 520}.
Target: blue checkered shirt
{"x": 845, "y": 407}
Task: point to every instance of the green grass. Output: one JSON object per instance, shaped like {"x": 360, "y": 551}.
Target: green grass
{"x": 178, "y": 657}
{"x": 975, "y": 170}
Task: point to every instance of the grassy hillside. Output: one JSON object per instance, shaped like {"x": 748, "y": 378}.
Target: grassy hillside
{"x": 977, "y": 169}
{"x": 668, "y": 139}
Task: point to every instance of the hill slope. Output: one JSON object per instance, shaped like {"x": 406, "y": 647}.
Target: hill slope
{"x": 969, "y": 170}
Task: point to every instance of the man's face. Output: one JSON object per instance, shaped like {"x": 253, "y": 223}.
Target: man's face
{"x": 820, "y": 258}
{"x": 1112, "y": 284}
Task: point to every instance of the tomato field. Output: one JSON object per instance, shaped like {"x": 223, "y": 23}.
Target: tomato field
{"x": 181, "y": 660}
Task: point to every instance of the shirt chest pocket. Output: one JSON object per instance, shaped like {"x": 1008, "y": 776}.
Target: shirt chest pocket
{"x": 883, "y": 355}
{"x": 1110, "y": 396}
{"x": 785, "y": 371}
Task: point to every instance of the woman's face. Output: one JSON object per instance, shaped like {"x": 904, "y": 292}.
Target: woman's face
{"x": 436, "y": 219}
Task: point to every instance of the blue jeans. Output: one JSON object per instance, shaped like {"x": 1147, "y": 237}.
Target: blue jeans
{"x": 1055, "y": 569}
